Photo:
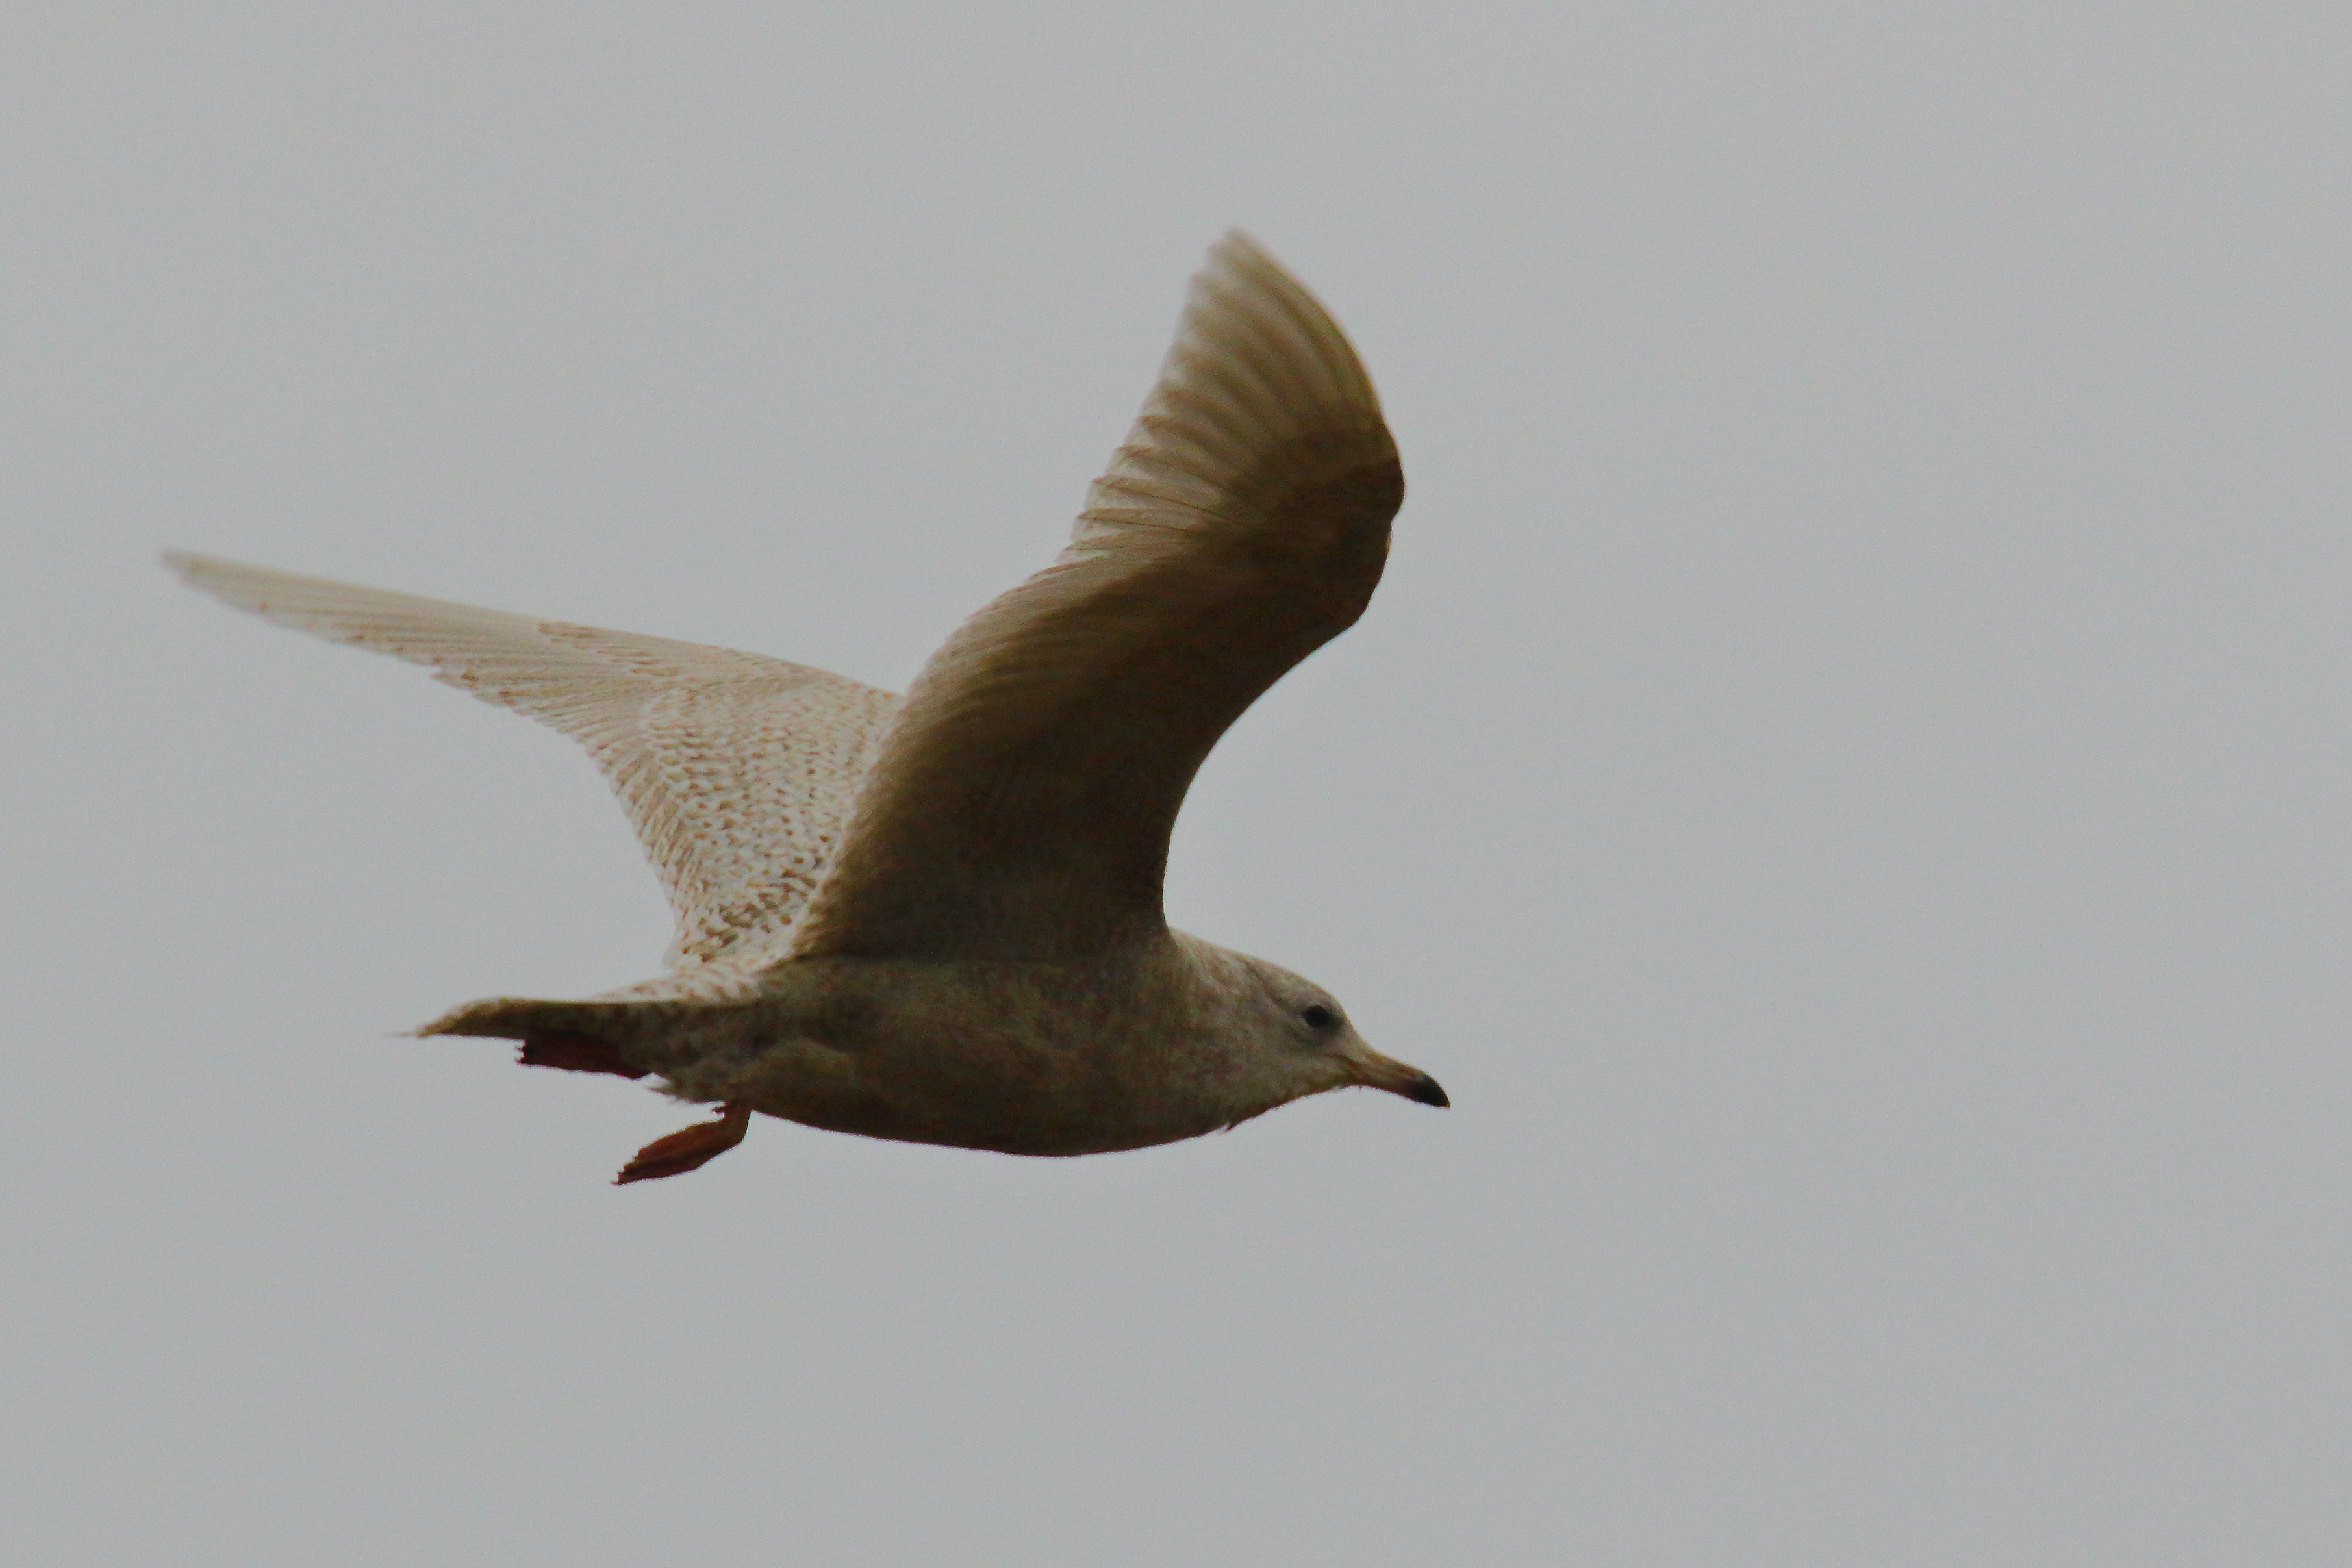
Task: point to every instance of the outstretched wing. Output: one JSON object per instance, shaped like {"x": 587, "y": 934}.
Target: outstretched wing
{"x": 1021, "y": 808}
{"x": 737, "y": 770}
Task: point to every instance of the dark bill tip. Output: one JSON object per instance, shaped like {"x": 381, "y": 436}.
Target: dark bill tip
{"x": 1424, "y": 1090}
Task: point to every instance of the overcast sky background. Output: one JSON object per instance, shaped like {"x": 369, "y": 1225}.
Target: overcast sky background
{"x": 1846, "y": 782}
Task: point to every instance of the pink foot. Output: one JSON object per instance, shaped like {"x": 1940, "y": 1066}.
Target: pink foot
{"x": 682, "y": 1152}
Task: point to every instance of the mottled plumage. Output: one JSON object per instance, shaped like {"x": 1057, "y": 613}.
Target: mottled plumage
{"x": 939, "y": 919}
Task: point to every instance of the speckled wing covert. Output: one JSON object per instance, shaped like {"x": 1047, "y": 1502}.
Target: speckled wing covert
{"x": 737, "y": 770}
{"x": 1021, "y": 806}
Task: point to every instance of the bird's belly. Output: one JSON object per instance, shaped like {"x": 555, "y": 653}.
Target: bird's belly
{"x": 1019, "y": 1095}
{"x": 1021, "y": 1057}
{"x": 1040, "y": 1107}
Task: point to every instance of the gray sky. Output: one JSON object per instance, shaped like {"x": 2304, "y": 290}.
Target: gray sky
{"x": 1846, "y": 783}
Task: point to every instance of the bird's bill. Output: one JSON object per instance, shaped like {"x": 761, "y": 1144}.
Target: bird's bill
{"x": 1374, "y": 1071}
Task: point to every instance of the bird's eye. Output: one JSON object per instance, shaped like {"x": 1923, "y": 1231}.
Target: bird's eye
{"x": 1317, "y": 1016}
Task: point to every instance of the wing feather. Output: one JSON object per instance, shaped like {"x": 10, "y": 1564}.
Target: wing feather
{"x": 1022, "y": 805}
{"x": 736, "y": 770}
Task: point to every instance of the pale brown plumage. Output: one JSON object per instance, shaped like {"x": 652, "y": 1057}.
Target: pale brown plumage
{"x": 1023, "y": 803}
{"x": 940, "y": 920}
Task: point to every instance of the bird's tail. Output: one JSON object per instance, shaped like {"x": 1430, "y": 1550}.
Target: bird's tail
{"x": 581, "y": 1037}
{"x": 521, "y": 1017}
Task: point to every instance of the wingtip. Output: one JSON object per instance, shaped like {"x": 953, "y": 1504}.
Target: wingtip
{"x": 1237, "y": 238}
{"x": 1244, "y": 293}
{"x": 198, "y": 570}
{"x": 1236, "y": 255}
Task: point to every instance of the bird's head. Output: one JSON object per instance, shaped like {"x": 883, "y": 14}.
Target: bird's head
{"x": 1300, "y": 1038}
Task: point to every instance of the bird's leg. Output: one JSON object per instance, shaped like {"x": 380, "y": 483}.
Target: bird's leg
{"x": 682, "y": 1152}
{"x": 575, "y": 1053}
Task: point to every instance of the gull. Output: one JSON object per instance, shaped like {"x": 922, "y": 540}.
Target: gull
{"x": 938, "y": 918}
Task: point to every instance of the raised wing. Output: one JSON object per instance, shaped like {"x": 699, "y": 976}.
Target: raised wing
{"x": 737, "y": 770}
{"x": 1021, "y": 807}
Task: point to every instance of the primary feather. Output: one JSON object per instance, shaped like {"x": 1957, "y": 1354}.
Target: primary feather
{"x": 736, "y": 770}
{"x": 1022, "y": 805}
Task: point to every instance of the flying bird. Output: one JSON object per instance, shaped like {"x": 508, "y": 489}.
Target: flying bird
{"x": 938, "y": 918}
